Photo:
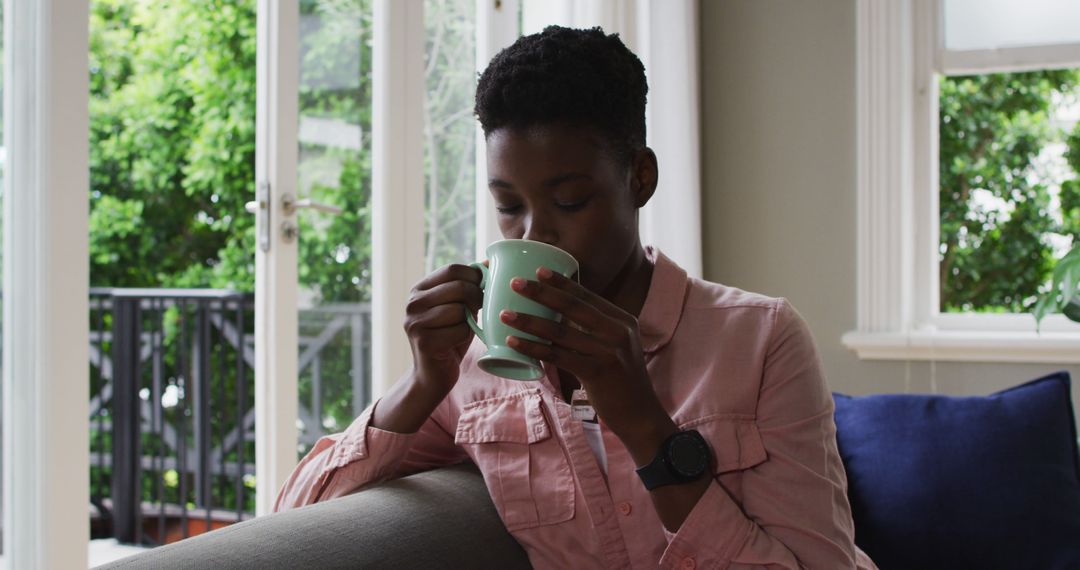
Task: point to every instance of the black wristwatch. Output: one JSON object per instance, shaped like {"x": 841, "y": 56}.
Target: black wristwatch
{"x": 683, "y": 457}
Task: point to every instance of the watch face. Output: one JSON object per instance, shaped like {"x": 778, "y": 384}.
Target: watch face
{"x": 688, "y": 455}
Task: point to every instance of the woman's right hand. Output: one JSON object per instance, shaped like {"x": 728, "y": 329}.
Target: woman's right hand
{"x": 435, "y": 323}
{"x": 439, "y": 336}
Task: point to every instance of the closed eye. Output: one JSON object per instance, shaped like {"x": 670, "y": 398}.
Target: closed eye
{"x": 574, "y": 206}
{"x": 508, "y": 209}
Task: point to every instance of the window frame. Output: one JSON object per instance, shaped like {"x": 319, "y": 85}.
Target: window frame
{"x": 899, "y": 56}
{"x": 46, "y": 284}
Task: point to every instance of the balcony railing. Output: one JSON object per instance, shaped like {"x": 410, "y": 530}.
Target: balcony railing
{"x": 172, "y": 398}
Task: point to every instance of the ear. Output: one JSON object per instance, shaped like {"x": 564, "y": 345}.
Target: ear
{"x": 644, "y": 174}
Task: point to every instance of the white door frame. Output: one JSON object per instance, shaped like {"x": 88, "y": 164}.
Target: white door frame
{"x": 46, "y": 459}
{"x": 397, "y": 201}
{"x": 496, "y": 28}
{"x": 276, "y": 126}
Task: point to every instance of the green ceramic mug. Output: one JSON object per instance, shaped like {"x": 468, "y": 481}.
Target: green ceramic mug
{"x": 508, "y": 259}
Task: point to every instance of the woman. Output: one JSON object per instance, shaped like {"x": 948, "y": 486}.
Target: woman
{"x": 703, "y": 433}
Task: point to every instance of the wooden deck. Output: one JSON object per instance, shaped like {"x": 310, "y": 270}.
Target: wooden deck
{"x": 171, "y": 520}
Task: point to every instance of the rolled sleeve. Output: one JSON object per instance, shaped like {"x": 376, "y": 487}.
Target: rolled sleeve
{"x": 342, "y": 463}
{"x": 713, "y": 531}
{"x": 794, "y": 511}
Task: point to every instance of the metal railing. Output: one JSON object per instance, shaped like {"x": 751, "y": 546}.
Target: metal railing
{"x": 172, "y": 404}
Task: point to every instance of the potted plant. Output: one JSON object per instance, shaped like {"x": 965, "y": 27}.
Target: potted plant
{"x": 1064, "y": 293}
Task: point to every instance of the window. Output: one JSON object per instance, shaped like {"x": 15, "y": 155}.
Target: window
{"x": 449, "y": 132}
{"x": 335, "y": 168}
{"x": 965, "y": 193}
{"x": 1008, "y": 190}
{"x": 1007, "y": 128}
{"x": 333, "y": 247}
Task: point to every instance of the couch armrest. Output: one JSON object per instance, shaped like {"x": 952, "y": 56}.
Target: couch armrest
{"x": 438, "y": 519}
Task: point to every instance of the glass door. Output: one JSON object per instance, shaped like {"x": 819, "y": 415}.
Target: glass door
{"x": 333, "y": 155}
{"x": 313, "y": 228}
{"x": 315, "y": 160}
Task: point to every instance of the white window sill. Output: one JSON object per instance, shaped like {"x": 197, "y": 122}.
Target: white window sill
{"x": 968, "y": 346}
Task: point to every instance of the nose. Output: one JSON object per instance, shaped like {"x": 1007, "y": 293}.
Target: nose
{"x": 538, "y": 227}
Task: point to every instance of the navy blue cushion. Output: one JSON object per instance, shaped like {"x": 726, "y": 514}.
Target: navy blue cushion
{"x": 964, "y": 482}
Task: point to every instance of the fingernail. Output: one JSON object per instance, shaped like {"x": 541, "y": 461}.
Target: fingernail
{"x": 517, "y": 283}
{"x": 512, "y": 341}
{"x": 509, "y": 315}
{"x": 543, "y": 272}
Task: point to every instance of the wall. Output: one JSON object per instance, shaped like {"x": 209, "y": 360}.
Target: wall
{"x": 778, "y": 104}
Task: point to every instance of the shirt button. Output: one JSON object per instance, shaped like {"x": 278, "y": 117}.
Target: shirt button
{"x": 625, "y": 508}
{"x": 688, "y": 564}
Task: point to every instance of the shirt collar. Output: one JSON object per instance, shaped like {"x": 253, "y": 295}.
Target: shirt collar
{"x": 664, "y": 304}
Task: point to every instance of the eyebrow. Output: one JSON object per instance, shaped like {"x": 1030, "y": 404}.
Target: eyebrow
{"x": 549, "y": 183}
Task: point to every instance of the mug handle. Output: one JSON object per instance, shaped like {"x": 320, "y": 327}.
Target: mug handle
{"x": 468, "y": 314}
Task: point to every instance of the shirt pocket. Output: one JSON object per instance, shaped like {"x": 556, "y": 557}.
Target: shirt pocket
{"x": 736, "y": 446}
{"x": 525, "y": 468}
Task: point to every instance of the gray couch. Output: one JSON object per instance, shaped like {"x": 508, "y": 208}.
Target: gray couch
{"x": 439, "y": 519}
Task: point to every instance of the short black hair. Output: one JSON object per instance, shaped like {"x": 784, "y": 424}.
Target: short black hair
{"x": 563, "y": 75}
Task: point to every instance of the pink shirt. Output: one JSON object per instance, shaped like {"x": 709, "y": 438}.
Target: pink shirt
{"x": 738, "y": 367}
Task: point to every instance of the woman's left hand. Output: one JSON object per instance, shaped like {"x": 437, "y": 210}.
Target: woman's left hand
{"x": 600, "y": 344}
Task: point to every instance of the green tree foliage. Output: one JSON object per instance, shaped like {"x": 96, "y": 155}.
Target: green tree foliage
{"x": 172, "y": 145}
{"x": 1070, "y": 189}
{"x": 335, "y": 85}
{"x": 172, "y": 101}
{"x": 992, "y": 128}
{"x": 172, "y": 142}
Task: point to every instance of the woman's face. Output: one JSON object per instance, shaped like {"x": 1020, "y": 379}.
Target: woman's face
{"x": 559, "y": 185}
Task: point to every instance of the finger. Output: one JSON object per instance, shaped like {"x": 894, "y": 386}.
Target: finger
{"x": 450, "y": 292}
{"x": 561, "y": 334}
{"x": 564, "y": 283}
{"x": 573, "y": 308}
{"x": 439, "y": 317}
{"x": 576, "y": 363}
{"x": 446, "y": 273}
{"x": 445, "y": 338}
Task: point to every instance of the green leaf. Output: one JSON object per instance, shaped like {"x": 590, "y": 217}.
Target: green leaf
{"x": 1072, "y": 310}
{"x": 1042, "y": 308}
{"x": 1068, "y": 284}
{"x": 1067, "y": 275}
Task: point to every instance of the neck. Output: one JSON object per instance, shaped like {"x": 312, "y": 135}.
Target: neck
{"x": 630, "y": 286}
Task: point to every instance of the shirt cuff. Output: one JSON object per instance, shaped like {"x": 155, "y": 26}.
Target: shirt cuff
{"x": 713, "y": 532}
{"x": 340, "y": 463}
{"x": 361, "y": 440}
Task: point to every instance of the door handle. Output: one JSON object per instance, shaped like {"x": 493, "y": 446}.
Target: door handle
{"x": 289, "y": 205}
{"x": 261, "y": 202}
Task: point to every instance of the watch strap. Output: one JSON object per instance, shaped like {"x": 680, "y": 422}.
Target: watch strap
{"x": 659, "y": 472}
{"x": 656, "y": 473}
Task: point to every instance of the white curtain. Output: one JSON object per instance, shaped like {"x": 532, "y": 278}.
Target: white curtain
{"x": 664, "y": 34}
